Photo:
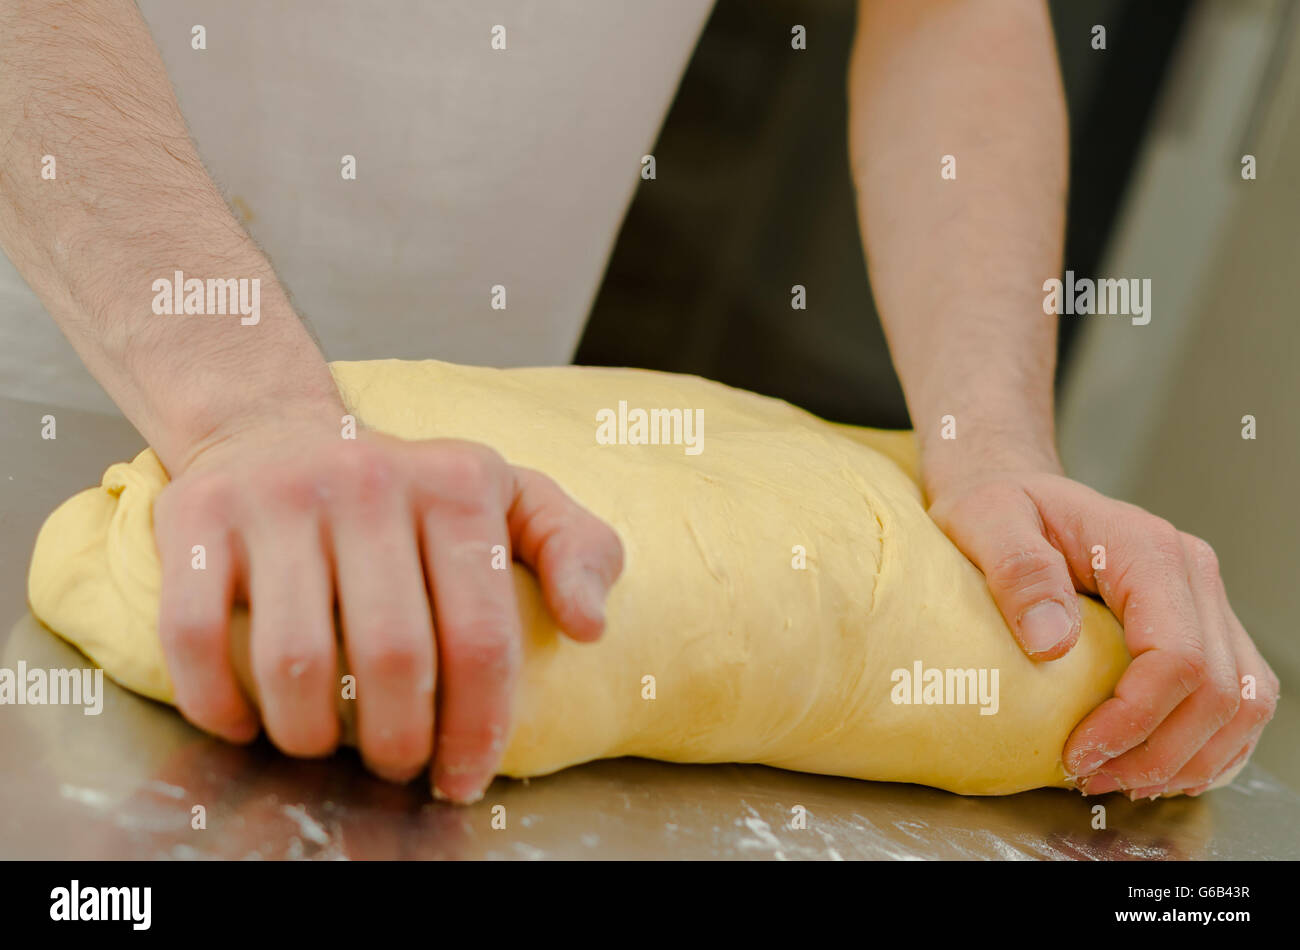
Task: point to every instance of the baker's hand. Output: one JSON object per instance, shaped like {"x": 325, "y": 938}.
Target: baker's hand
{"x": 293, "y": 519}
{"x": 1184, "y": 711}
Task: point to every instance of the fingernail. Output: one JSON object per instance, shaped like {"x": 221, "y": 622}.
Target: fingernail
{"x": 1043, "y": 626}
{"x": 466, "y": 798}
{"x": 588, "y": 593}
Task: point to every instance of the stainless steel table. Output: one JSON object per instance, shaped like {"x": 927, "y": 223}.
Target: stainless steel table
{"x": 125, "y": 784}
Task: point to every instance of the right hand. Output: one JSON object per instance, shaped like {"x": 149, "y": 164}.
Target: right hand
{"x": 291, "y": 518}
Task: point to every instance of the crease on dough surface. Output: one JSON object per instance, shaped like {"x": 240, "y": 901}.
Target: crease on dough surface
{"x": 754, "y": 660}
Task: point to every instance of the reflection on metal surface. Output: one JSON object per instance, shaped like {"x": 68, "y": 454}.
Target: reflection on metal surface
{"x": 125, "y": 784}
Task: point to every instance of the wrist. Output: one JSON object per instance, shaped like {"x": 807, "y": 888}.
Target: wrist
{"x": 982, "y": 449}
{"x": 267, "y": 417}
{"x": 192, "y": 381}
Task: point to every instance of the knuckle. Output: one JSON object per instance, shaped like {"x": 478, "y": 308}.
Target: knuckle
{"x": 1203, "y": 556}
{"x": 1264, "y": 705}
{"x": 614, "y": 544}
{"x": 1260, "y": 710}
{"x": 293, "y": 664}
{"x": 465, "y": 473}
{"x": 388, "y": 657}
{"x": 1025, "y": 569}
{"x": 597, "y": 536}
{"x": 1272, "y": 686}
{"x": 1189, "y": 666}
{"x": 366, "y": 472}
{"x": 1226, "y": 702}
{"x": 481, "y": 650}
{"x": 1166, "y": 541}
{"x": 292, "y": 487}
{"x": 189, "y": 636}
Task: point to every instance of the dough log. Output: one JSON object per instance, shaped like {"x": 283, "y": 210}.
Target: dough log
{"x": 753, "y": 658}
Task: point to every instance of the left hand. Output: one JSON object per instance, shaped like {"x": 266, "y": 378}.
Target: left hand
{"x": 1178, "y": 720}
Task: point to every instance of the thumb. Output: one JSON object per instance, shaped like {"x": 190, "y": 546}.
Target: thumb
{"x": 999, "y": 529}
{"x": 575, "y": 555}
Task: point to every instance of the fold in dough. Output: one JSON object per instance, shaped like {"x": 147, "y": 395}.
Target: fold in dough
{"x": 753, "y": 660}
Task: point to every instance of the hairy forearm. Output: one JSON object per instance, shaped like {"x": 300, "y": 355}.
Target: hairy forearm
{"x": 131, "y": 203}
{"x": 957, "y": 265}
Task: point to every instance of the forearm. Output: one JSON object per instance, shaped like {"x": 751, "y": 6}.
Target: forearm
{"x": 957, "y": 266}
{"x": 131, "y": 204}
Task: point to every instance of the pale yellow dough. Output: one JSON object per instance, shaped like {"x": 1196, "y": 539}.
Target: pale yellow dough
{"x": 753, "y": 660}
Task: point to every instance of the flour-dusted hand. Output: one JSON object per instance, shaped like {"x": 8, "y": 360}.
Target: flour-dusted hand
{"x": 401, "y": 535}
{"x": 1193, "y": 702}
{"x": 958, "y": 263}
{"x": 291, "y": 516}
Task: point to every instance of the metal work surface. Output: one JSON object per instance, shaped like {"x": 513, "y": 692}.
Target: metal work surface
{"x": 126, "y": 783}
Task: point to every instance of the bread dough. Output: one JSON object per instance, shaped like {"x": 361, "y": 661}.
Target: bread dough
{"x": 753, "y": 659}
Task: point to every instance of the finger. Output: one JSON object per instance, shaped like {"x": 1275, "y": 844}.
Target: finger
{"x": 1191, "y": 779}
{"x": 1146, "y": 585}
{"x": 479, "y": 641}
{"x": 292, "y": 634}
{"x": 194, "y": 621}
{"x": 387, "y": 627}
{"x": 1258, "y": 694}
{"x": 479, "y": 650}
{"x": 1146, "y": 769}
{"x": 576, "y": 556}
{"x": 1001, "y": 532}
{"x": 1232, "y": 769}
